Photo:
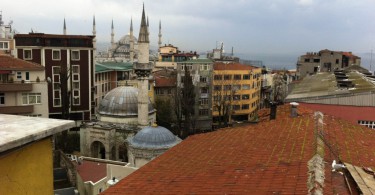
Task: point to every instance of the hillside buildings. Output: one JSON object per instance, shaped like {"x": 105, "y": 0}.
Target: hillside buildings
{"x": 325, "y": 61}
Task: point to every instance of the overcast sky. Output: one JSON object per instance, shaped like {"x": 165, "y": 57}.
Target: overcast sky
{"x": 252, "y": 27}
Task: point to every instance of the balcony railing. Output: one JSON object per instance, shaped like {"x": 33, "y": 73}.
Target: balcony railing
{"x": 16, "y": 109}
{"x": 9, "y": 87}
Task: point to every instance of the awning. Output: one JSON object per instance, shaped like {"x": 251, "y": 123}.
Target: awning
{"x": 5, "y": 71}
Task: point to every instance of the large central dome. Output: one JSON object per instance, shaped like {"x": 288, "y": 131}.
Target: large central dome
{"x": 122, "y": 101}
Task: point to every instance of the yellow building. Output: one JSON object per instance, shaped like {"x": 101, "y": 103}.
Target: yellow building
{"x": 236, "y": 92}
{"x": 26, "y": 161}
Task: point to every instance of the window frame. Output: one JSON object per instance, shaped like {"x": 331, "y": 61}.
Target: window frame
{"x": 2, "y": 43}
{"x": 56, "y": 50}
{"x": 24, "y": 54}
{"x": 79, "y": 55}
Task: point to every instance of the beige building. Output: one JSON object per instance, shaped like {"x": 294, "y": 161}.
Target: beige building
{"x": 325, "y": 61}
{"x": 23, "y": 87}
{"x": 169, "y": 55}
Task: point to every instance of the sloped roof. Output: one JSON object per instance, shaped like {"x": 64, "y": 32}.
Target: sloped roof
{"x": 8, "y": 62}
{"x": 92, "y": 171}
{"x": 165, "y": 81}
{"x": 232, "y": 66}
{"x": 270, "y": 157}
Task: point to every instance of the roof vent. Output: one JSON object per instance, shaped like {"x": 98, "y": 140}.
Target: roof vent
{"x": 293, "y": 112}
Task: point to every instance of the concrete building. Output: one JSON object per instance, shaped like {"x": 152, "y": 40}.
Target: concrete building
{"x": 23, "y": 87}
{"x": 201, "y": 72}
{"x": 26, "y": 146}
{"x": 325, "y": 61}
{"x": 69, "y": 66}
{"x": 169, "y": 56}
{"x": 236, "y": 92}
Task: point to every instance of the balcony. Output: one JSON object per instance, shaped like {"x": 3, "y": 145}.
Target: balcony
{"x": 13, "y": 87}
{"x": 16, "y": 109}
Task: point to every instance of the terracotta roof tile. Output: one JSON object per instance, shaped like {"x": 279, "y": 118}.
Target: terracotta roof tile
{"x": 92, "y": 171}
{"x": 265, "y": 158}
{"x": 165, "y": 81}
{"x": 8, "y": 62}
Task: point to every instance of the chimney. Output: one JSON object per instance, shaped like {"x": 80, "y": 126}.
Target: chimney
{"x": 273, "y": 110}
{"x": 293, "y": 112}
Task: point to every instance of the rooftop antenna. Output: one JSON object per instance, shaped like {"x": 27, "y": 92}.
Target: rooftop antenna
{"x": 1, "y": 18}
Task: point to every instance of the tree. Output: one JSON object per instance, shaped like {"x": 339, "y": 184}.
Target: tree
{"x": 164, "y": 112}
{"x": 223, "y": 95}
{"x": 184, "y": 106}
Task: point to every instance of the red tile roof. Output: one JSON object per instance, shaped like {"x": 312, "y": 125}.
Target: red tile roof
{"x": 349, "y": 113}
{"x": 165, "y": 81}
{"x": 266, "y": 158}
{"x": 232, "y": 66}
{"x": 8, "y": 62}
{"x": 92, "y": 171}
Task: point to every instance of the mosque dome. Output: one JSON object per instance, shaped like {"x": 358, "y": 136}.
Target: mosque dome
{"x": 123, "y": 102}
{"x": 154, "y": 137}
{"x": 125, "y": 40}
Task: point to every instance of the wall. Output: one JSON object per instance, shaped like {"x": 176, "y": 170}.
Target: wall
{"x": 27, "y": 170}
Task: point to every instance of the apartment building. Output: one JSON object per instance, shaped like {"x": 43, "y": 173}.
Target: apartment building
{"x": 201, "y": 73}
{"x": 236, "y": 92}
{"x": 325, "y": 61}
{"x": 69, "y": 69}
{"x": 169, "y": 56}
{"x": 23, "y": 88}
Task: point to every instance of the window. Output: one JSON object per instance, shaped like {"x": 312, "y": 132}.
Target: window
{"x": 31, "y": 98}
{"x": 245, "y": 96}
{"x": 369, "y": 124}
{"x": 204, "y": 67}
{"x": 203, "y": 101}
{"x": 27, "y": 76}
{"x": 317, "y": 60}
{"x": 245, "y": 86}
{"x": 237, "y": 77}
{"x": 227, "y": 77}
{"x": 218, "y": 77}
{"x": 236, "y": 107}
{"x": 4, "y": 45}
{"x": 19, "y": 75}
{"x": 236, "y": 87}
{"x": 169, "y": 91}
{"x": 217, "y": 87}
{"x": 2, "y": 98}
{"x": 158, "y": 91}
{"x": 227, "y": 87}
{"x": 27, "y": 54}
{"x": 246, "y": 77}
{"x": 188, "y": 66}
{"x": 56, "y": 55}
{"x": 76, "y": 97}
{"x": 203, "y": 112}
{"x": 203, "y": 79}
{"x": 204, "y": 90}
{"x": 75, "y": 55}
{"x": 337, "y": 61}
{"x": 56, "y": 86}
{"x": 236, "y": 97}
{"x": 307, "y": 59}
{"x": 245, "y": 106}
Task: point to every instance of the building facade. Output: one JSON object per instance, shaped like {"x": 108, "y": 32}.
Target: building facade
{"x": 69, "y": 69}
{"x": 201, "y": 73}
{"x": 236, "y": 92}
{"x": 325, "y": 61}
{"x": 23, "y": 87}
{"x": 169, "y": 56}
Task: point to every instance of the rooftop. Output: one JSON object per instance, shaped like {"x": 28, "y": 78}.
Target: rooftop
{"x": 325, "y": 84}
{"x": 232, "y": 66}
{"x": 16, "y": 130}
{"x": 8, "y": 62}
{"x": 197, "y": 61}
{"x": 92, "y": 171}
{"x": 271, "y": 157}
{"x": 112, "y": 66}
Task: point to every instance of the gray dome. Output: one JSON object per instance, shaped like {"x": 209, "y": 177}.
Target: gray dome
{"x": 154, "y": 138}
{"x": 122, "y": 101}
{"x": 126, "y": 40}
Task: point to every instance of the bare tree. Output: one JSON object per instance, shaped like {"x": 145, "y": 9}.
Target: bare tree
{"x": 279, "y": 88}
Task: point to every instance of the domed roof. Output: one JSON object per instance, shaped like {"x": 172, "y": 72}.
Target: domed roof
{"x": 126, "y": 40}
{"x": 154, "y": 137}
{"x": 122, "y": 101}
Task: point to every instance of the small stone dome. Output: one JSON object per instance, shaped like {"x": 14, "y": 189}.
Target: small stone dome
{"x": 122, "y": 101}
{"x": 154, "y": 137}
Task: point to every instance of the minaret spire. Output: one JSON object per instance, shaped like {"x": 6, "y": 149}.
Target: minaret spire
{"x": 131, "y": 41}
{"x": 143, "y": 69}
{"x": 64, "y": 29}
{"x": 159, "y": 42}
{"x": 112, "y": 35}
{"x": 148, "y": 28}
{"x": 93, "y": 26}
